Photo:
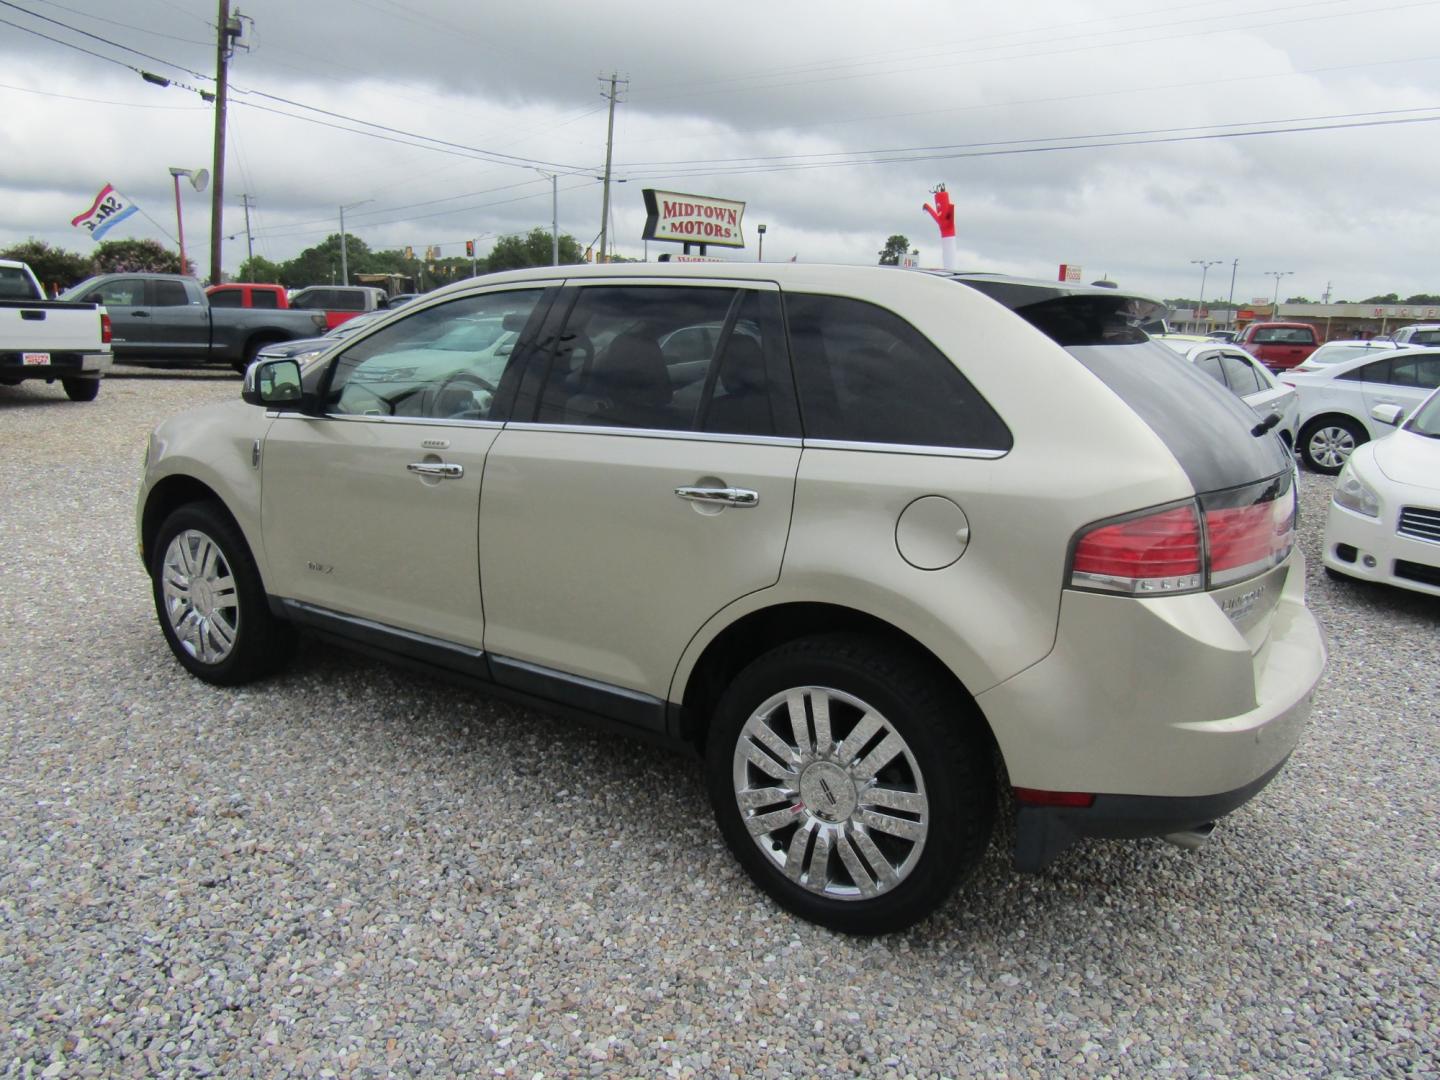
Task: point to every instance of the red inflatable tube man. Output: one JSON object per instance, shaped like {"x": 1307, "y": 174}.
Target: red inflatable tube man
{"x": 943, "y": 213}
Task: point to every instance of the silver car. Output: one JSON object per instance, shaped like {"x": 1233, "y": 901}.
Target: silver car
{"x": 884, "y": 548}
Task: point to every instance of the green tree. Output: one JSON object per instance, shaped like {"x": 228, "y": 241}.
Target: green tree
{"x": 1423, "y": 298}
{"x": 896, "y": 248}
{"x": 320, "y": 265}
{"x": 1387, "y": 298}
{"x": 1298, "y": 300}
{"x": 533, "y": 249}
{"x": 56, "y": 268}
{"x": 138, "y": 257}
{"x": 259, "y": 270}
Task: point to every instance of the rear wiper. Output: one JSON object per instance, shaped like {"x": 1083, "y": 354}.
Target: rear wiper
{"x": 1265, "y": 425}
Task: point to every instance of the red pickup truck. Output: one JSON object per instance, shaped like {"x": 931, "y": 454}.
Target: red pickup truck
{"x": 1279, "y": 345}
{"x": 245, "y": 294}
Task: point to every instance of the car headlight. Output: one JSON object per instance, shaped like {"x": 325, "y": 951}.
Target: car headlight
{"x": 1354, "y": 494}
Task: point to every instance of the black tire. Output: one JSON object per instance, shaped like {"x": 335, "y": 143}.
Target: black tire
{"x": 258, "y": 642}
{"x": 1322, "y": 443}
{"x": 946, "y": 758}
{"x": 252, "y": 350}
{"x": 81, "y": 389}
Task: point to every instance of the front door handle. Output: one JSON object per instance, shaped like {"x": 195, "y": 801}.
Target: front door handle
{"x": 740, "y": 497}
{"x": 438, "y": 470}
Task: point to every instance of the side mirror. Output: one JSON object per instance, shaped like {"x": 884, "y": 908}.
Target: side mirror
{"x": 275, "y": 384}
{"x": 1388, "y": 414}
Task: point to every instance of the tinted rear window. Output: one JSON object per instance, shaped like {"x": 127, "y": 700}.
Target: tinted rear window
{"x": 15, "y": 284}
{"x": 867, "y": 375}
{"x": 226, "y": 298}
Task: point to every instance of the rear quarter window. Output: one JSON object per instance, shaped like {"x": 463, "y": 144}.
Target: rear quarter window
{"x": 866, "y": 375}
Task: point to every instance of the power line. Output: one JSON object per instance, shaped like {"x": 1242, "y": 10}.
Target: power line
{"x": 815, "y": 158}
{"x": 103, "y": 101}
{"x": 127, "y": 26}
{"x": 97, "y": 37}
{"x": 1038, "y": 149}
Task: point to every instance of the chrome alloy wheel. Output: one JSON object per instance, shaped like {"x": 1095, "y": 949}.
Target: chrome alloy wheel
{"x": 1331, "y": 446}
{"x": 831, "y": 793}
{"x": 200, "y": 597}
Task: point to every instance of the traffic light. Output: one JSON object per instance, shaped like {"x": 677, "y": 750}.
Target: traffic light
{"x": 469, "y": 249}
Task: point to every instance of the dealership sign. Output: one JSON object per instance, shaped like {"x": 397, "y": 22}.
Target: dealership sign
{"x": 693, "y": 219}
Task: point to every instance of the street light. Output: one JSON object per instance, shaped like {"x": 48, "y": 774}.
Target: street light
{"x": 554, "y": 216}
{"x": 344, "y": 259}
{"x": 1204, "y": 265}
{"x": 760, "y": 255}
{"x": 1277, "y": 275}
{"x": 198, "y": 179}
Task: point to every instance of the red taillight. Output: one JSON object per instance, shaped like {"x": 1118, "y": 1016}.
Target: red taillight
{"x": 1246, "y": 531}
{"x": 1156, "y": 553}
{"x": 105, "y": 329}
{"x": 1245, "y": 540}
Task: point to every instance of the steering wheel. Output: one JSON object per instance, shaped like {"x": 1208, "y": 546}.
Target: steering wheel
{"x": 476, "y": 408}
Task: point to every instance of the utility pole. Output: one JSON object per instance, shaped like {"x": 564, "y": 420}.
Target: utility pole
{"x": 249, "y": 237}
{"x": 609, "y": 148}
{"x": 227, "y": 32}
{"x": 345, "y": 255}
{"x": 554, "y": 220}
{"x": 1233, "y": 267}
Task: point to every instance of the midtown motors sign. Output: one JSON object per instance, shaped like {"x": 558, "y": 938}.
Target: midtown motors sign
{"x": 693, "y": 219}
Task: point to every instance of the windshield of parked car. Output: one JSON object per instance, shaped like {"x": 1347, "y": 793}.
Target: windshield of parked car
{"x": 1426, "y": 420}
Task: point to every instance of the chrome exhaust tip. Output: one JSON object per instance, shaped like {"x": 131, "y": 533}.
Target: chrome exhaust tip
{"x": 1191, "y": 839}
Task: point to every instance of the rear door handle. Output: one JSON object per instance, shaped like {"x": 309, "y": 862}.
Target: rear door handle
{"x": 445, "y": 471}
{"x": 740, "y": 497}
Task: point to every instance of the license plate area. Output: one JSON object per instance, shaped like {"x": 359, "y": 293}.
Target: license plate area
{"x": 35, "y": 359}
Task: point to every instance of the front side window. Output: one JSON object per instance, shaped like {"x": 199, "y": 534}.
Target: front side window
{"x": 443, "y": 363}
{"x": 867, "y": 375}
{"x": 123, "y": 292}
{"x": 640, "y": 356}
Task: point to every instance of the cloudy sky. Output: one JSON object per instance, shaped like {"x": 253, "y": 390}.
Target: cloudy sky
{"x": 1128, "y": 137}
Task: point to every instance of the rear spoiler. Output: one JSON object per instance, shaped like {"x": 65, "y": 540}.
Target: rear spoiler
{"x": 1072, "y": 314}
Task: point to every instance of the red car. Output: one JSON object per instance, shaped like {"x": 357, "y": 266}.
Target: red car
{"x": 1279, "y": 345}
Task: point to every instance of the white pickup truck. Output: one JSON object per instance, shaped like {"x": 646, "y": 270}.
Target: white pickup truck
{"x": 50, "y": 339}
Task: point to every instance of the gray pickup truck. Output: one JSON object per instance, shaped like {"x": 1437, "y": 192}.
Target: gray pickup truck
{"x": 165, "y": 319}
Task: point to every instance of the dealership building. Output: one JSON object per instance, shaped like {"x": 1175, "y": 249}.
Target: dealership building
{"x": 1334, "y": 321}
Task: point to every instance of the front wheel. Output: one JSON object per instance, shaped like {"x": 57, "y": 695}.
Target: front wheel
{"x": 1328, "y": 443}
{"x": 210, "y": 601}
{"x": 81, "y": 389}
{"x": 852, "y": 781}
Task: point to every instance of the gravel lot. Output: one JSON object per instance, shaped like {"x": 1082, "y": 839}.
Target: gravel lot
{"x": 351, "y": 871}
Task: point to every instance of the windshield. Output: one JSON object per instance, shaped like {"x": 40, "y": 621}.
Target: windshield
{"x": 1426, "y": 420}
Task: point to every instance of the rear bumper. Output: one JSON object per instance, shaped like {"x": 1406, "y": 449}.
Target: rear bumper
{"x": 1159, "y": 708}
{"x": 1043, "y": 832}
{"x": 62, "y": 365}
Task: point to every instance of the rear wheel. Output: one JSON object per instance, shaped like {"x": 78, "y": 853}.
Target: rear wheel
{"x": 1326, "y": 444}
{"x": 81, "y": 389}
{"x": 852, "y": 781}
{"x": 210, "y": 601}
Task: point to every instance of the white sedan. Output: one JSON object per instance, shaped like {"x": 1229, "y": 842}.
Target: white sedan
{"x": 1249, "y": 379}
{"x": 1384, "y": 521}
{"x": 1336, "y": 402}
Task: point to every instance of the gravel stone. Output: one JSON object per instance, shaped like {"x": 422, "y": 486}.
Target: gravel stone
{"x": 350, "y": 871}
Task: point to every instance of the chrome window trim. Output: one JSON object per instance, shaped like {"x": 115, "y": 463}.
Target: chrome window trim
{"x": 906, "y": 448}
{"x": 719, "y": 281}
{"x": 418, "y": 421}
{"x": 657, "y": 433}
